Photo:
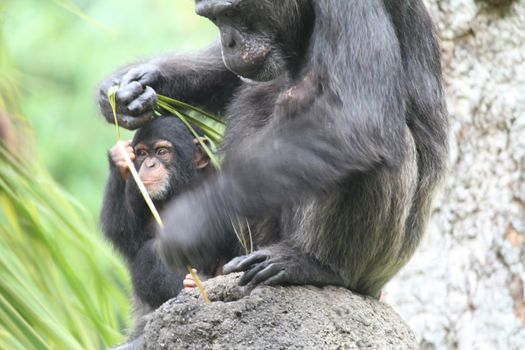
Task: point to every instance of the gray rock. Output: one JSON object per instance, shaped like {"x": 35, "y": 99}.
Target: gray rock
{"x": 299, "y": 317}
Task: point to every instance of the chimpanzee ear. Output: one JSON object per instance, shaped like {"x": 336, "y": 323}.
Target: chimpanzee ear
{"x": 201, "y": 157}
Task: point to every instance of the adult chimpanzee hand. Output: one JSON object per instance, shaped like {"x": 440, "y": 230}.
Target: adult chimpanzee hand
{"x": 136, "y": 97}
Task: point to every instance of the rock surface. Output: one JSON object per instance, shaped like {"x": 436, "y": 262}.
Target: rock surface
{"x": 275, "y": 318}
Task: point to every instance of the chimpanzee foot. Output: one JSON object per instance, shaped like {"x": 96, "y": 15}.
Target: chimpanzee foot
{"x": 281, "y": 265}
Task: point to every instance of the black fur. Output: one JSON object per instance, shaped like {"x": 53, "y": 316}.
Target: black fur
{"x": 334, "y": 153}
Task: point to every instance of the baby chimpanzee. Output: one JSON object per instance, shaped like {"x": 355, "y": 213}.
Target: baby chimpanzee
{"x": 168, "y": 160}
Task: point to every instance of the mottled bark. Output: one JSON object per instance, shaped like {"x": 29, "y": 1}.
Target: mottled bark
{"x": 464, "y": 289}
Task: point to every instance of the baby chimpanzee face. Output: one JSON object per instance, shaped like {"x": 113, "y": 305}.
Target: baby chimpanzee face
{"x": 155, "y": 162}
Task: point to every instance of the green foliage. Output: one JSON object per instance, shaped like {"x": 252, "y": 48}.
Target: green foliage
{"x": 61, "y": 287}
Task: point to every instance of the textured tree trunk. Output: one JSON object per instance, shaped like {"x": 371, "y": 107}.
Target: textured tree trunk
{"x": 464, "y": 288}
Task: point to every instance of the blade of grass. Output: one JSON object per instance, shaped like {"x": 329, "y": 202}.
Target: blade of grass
{"x": 184, "y": 105}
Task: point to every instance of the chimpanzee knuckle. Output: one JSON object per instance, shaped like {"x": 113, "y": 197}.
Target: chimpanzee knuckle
{"x": 132, "y": 75}
{"x": 130, "y": 123}
{"x": 128, "y": 93}
{"x": 149, "y": 96}
{"x": 136, "y": 106}
{"x": 150, "y": 74}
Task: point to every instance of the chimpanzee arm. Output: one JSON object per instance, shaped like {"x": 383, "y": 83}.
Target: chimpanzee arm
{"x": 200, "y": 79}
{"x": 120, "y": 223}
{"x": 152, "y": 281}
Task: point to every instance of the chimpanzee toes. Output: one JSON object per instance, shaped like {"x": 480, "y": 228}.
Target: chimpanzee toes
{"x": 263, "y": 276}
{"x": 232, "y": 265}
{"x": 242, "y": 263}
{"x": 248, "y": 276}
{"x": 280, "y": 278}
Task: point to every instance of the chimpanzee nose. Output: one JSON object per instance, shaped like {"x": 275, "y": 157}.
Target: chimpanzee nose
{"x": 229, "y": 38}
{"x": 151, "y": 163}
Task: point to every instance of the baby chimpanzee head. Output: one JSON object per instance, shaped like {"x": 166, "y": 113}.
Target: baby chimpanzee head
{"x": 167, "y": 156}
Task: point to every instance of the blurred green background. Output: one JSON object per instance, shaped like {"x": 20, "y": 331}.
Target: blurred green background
{"x": 63, "y": 48}
{"x": 61, "y": 285}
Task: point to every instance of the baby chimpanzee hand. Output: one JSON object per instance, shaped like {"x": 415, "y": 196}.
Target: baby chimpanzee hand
{"x": 189, "y": 282}
{"x": 117, "y": 159}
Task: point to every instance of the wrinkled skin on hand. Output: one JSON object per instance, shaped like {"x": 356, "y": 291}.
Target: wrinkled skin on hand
{"x": 136, "y": 98}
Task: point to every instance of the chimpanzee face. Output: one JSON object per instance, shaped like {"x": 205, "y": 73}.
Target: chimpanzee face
{"x": 252, "y": 34}
{"x": 155, "y": 162}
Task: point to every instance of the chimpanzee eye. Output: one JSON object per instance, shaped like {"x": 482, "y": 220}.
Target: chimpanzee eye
{"x": 142, "y": 153}
{"x": 162, "y": 151}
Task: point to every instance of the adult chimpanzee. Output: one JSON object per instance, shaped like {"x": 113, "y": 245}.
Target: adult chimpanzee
{"x": 336, "y": 137}
{"x": 168, "y": 161}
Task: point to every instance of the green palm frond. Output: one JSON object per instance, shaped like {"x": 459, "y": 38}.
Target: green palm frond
{"x": 61, "y": 287}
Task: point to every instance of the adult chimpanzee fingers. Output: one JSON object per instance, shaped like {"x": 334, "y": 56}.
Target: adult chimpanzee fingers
{"x": 146, "y": 74}
{"x": 144, "y": 102}
{"x": 105, "y": 86}
{"x": 231, "y": 266}
{"x": 242, "y": 263}
{"x": 267, "y": 273}
{"x": 133, "y": 74}
{"x": 248, "y": 275}
{"x": 129, "y": 92}
{"x": 132, "y": 123}
{"x": 279, "y": 279}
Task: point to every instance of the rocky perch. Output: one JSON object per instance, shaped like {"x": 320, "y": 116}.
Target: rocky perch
{"x": 299, "y": 317}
